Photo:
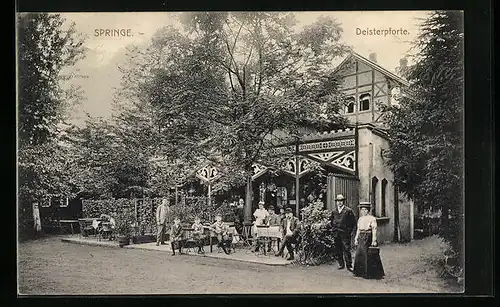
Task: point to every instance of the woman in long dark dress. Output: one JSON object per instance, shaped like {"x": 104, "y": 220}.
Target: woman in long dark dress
{"x": 367, "y": 263}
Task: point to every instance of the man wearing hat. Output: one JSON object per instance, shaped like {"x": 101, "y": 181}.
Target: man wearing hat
{"x": 290, "y": 227}
{"x": 342, "y": 222}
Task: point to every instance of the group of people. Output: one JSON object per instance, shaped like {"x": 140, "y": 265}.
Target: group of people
{"x": 287, "y": 223}
{"x": 177, "y": 232}
{"x": 367, "y": 261}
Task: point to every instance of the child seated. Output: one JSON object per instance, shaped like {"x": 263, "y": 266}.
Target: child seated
{"x": 106, "y": 226}
{"x": 221, "y": 230}
{"x": 176, "y": 235}
{"x": 198, "y": 233}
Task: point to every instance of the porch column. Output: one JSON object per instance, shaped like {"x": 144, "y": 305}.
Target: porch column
{"x": 297, "y": 180}
{"x": 248, "y": 201}
{"x": 209, "y": 194}
{"x": 412, "y": 221}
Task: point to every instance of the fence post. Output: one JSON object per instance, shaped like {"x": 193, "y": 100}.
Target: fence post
{"x": 135, "y": 211}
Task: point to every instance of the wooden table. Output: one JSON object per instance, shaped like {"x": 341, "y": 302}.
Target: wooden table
{"x": 266, "y": 234}
{"x": 70, "y": 222}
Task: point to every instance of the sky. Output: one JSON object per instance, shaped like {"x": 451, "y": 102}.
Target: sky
{"x": 105, "y": 54}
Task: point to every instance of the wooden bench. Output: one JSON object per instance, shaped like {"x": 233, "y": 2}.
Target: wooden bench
{"x": 232, "y": 233}
{"x": 64, "y": 223}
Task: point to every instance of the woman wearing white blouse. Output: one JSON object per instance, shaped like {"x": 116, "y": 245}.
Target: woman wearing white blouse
{"x": 260, "y": 214}
{"x": 367, "y": 261}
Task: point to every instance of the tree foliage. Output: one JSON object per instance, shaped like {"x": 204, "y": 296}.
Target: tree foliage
{"x": 221, "y": 87}
{"x": 45, "y": 48}
{"x": 426, "y": 143}
{"x": 110, "y": 159}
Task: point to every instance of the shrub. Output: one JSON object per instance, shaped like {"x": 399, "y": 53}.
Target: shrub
{"x": 316, "y": 240}
{"x": 124, "y": 224}
{"x": 146, "y": 211}
{"x": 198, "y": 206}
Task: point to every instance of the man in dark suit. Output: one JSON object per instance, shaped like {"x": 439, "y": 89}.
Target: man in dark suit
{"x": 290, "y": 227}
{"x": 343, "y": 222}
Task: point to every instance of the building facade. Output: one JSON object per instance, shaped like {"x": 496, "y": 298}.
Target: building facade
{"x": 349, "y": 161}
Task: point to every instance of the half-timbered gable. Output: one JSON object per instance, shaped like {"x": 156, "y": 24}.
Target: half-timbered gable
{"x": 367, "y": 86}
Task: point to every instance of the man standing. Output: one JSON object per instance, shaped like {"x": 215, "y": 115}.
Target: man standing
{"x": 343, "y": 222}
{"x": 290, "y": 227}
{"x": 161, "y": 221}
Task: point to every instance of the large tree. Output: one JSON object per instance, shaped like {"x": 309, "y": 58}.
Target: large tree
{"x": 44, "y": 49}
{"x": 426, "y": 143}
{"x": 45, "y": 46}
{"x": 222, "y": 86}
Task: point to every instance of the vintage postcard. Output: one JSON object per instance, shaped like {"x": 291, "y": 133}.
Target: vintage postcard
{"x": 240, "y": 152}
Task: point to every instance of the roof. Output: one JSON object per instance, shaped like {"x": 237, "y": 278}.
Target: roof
{"x": 374, "y": 66}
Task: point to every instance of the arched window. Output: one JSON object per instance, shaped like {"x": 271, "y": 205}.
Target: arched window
{"x": 383, "y": 200}
{"x": 364, "y": 102}
{"x": 349, "y": 106}
{"x": 374, "y": 194}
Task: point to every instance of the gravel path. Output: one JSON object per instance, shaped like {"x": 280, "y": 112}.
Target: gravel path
{"x": 49, "y": 266}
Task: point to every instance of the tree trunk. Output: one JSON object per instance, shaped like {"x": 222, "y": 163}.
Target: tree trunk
{"x": 445, "y": 227}
{"x": 37, "y": 223}
{"x": 248, "y": 200}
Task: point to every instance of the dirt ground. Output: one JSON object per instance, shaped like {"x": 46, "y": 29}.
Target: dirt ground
{"x": 49, "y": 266}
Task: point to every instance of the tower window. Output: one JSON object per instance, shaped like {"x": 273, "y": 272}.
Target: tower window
{"x": 383, "y": 200}
{"x": 374, "y": 194}
{"x": 364, "y": 102}
{"x": 350, "y": 102}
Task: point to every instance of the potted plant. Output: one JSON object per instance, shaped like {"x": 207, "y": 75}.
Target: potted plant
{"x": 124, "y": 230}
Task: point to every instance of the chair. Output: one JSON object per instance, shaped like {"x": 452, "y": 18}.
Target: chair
{"x": 189, "y": 241}
{"x": 106, "y": 231}
{"x": 237, "y": 241}
{"x": 247, "y": 233}
{"x": 219, "y": 249}
{"x": 85, "y": 228}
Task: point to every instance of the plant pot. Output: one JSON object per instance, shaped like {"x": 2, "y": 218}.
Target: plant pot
{"x": 123, "y": 240}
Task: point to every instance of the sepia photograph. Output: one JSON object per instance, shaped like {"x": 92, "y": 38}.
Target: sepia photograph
{"x": 242, "y": 152}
